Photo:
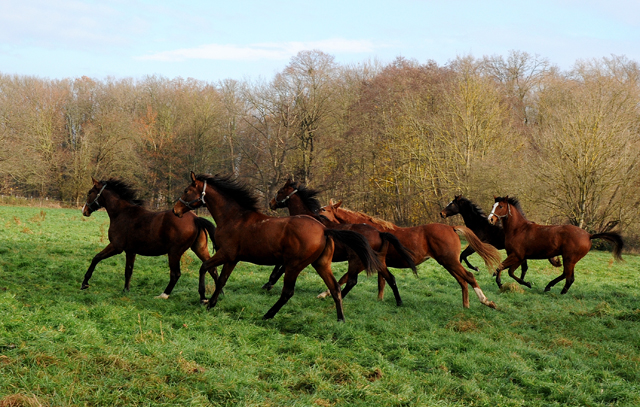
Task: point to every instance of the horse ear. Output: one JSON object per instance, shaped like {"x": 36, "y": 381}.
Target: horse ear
{"x": 506, "y": 197}
{"x": 455, "y": 198}
{"x": 336, "y": 206}
{"x": 330, "y": 201}
{"x": 495, "y": 197}
{"x": 193, "y": 177}
{"x": 95, "y": 182}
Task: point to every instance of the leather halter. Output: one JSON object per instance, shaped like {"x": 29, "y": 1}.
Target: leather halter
{"x": 199, "y": 199}
{"x": 95, "y": 201}
{"x": 500, "y": 216}
{"x": 286, "y": 198}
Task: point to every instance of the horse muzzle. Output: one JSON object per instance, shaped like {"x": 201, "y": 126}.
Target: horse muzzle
{"x": 492, "y": 219}
{"x": 443, "y": 215}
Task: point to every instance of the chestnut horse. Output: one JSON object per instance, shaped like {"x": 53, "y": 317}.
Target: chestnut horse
{"x": 527, "y": 240}
{"x": 249, "y": 235}
{"x": 431, "y": 240}
{"x": 301, "y": 200}
{"x": 476, "y": 220}
{"x": 136, "y": 230}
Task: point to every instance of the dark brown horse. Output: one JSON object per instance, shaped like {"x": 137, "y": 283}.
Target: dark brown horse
{"x": 136, "y": 230}
{"x": 432, "y": 240}
{"x": 527, "y": 240}
{"x": 249, "y": 235}
{"x": 301, "y": 200}
{"x": 476, "y": 220}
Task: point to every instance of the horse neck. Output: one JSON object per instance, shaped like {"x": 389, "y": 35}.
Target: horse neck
{"x": 513, "y": 220}
{"x": 354, "y": 217}
{"x": 472, "y": 219}
{"x": 222, "y": 209}
{"x": 113, "y": 204}
{"x": 297, "y": 207}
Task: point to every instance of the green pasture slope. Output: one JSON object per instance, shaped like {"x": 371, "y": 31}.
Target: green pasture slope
{"x": 62, "y": 346}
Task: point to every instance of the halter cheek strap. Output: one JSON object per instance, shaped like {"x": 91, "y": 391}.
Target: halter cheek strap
{"x": 500, "y": 216}
{"x": 286, "y": 198}
{"x": 95, "y": 201}
{"x": 195, "y": 201}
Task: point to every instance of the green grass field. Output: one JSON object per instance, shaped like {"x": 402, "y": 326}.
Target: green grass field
{"x": 63, "y": 346}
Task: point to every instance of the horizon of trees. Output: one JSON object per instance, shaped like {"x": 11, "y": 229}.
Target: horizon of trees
{"x": 397, "y": 141}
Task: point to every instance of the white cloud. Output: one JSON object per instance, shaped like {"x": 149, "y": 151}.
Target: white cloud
{"x": 260, "y": 51}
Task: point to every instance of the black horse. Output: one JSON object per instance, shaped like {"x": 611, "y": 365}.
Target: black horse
{"x": 476, "y": 220}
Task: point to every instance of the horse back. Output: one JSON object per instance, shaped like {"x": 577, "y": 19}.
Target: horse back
{"x": 544, "y": 241}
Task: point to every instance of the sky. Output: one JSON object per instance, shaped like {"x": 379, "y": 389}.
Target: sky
{"x": 247, "y": 40}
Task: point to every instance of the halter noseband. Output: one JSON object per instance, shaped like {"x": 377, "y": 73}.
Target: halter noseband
{"x": 286, "y": 198}
{"x": 199, "y": 199}
{"x": 500, "y": 216}
{"x": 95, "y": 201}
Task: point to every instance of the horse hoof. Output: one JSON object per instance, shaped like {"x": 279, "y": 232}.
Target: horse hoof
{"x": 399, "y": 303}
{"x": 267, "y": 287}
{"x": 322, "y": 296}
{"x": 163, "y": 296}
{"x": 527, "y": 284}
{"x": 490, "y": 304}
{"x": 84, "y": 286}
{"x": 547, "y": 289}
{"x": 204, "y": 302}
{"x": 267, "y": 316}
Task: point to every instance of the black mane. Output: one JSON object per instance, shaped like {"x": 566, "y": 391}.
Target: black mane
{"x": 475, "y": 209}
{"x": 308, "y": 197}
{"x": 124, "y": 190}
{"x": 512, "y": 200}
{"x": 234, "y": 189}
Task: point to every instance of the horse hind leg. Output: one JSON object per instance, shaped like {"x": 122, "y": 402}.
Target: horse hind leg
{"x": 174, "y": 274}
{"x": 323, "y": 268}
{"x": 343, "y": 280}
{"x": 202, "y": 251}
{"x": 468, "y": 251}
{"x": 464, "y": 278}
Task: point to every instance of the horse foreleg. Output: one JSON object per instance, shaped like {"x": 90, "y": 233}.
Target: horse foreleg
{"x": 107, "y": 252}
{"x": 512, "y": 274}
{"x": 277, "y": 272}
{"x": 128, "y": 269}
{"x": 468, "y": 251}
{"x": 222, "y": 279}
{"x": 508, "y": 262}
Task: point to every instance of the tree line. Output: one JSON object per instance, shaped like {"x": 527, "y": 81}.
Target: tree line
{"x": 397, "y": 140}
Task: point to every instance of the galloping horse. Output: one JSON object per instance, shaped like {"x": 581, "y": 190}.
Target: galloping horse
{"x": 527, "y": 240}
{"x": 301, "y": 200}
{"x": 431, "y": 240}
{"x": 476, "y": 220}
{"x": 136, "y": 230}
{"x": 249, "y": 235}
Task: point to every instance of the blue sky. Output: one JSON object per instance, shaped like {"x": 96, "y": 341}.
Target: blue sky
{"x": 215, "y": 40}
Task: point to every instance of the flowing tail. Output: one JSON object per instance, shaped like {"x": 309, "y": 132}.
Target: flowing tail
{"x": 614, "y": 238}
{"x": 209, "y": 227}
{"x": 489, "y": 254}
{"x": 359, "y": 245}
{"x": 404, "y": 253}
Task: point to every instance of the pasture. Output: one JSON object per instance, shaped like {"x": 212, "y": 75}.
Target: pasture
{"x": 63, "y": 346}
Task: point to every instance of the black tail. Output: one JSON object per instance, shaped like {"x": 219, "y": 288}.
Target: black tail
{"x": 209, "y": 227}
{"x": 402, "y": 251}
{"x": 360, "y": 246}
{"x": 614, "y": 238}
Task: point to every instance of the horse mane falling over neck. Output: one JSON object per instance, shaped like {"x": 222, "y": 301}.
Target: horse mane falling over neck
{"x": 513, "y": 201}
{"x": 308, "y": 197}
{"x": 124, "y": 190}
{"x": 234, "y": 189}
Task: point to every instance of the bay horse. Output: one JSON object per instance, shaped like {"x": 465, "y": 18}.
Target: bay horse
{"x": 136, "y": 230}
{"x": 527, "y": 240}
{"x": 300, "y": 200}
{"x": 431, "y": 240}
{"x": 476, "y": 220}
{"x": 249, "y": 235}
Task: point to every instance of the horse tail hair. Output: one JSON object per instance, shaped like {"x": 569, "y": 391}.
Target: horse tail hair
{"x": 203, "y": 223}
{"x": 489, "y": 254}
{"x": 404, "y": 253}
{"x": 359, "y": 245}
{"x": 614, "y": 238}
